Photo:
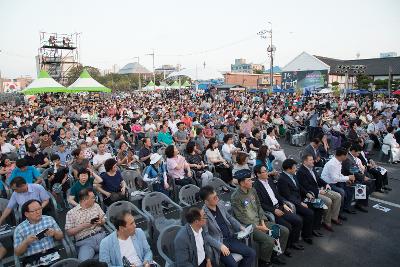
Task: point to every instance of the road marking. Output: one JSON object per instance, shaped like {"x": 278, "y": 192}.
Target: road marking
{"x": 385, "y": 202}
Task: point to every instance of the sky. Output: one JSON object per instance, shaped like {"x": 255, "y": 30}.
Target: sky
{"x": 192, "y": 33}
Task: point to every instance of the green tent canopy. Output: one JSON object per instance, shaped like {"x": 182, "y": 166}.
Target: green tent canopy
{"x": 44, "y": 84}
{"x": 176, "y": 85}
{"x": 151, "y": 83}
{"x": 186, "y": 84}
{"x": 85, "y": 83}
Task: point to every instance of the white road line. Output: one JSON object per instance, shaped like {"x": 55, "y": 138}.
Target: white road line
{"x": 385, "y": 202}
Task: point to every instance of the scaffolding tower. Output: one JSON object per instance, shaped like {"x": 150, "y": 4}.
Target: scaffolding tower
{"x": 58, "y": 54}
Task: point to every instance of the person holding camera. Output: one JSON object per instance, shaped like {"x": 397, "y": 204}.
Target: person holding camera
{"x": 35, "y": 236}
{"x": 85, "y": 223}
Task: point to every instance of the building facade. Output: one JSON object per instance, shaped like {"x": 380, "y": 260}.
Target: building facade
{"x": 251, "y": 80}
{"x": 241, "y": 66}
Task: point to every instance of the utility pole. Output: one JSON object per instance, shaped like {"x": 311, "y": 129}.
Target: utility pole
{"x": 140, "y": 82}
{"x": 389, "y": 81}
{"x": 271, "y": 49}
{"x": 1, "y": 81}
{"x": 154, "y": 74}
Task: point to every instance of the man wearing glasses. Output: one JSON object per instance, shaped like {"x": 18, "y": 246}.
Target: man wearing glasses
{"x": 22, "y": 193}
{"x": 191, "y": 246}
{"x": 28, "y": 240}
{"x": 85, "y": 222}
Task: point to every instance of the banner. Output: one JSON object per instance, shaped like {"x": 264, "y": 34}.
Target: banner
{"x": 11, "y": 86}
{"x": 307, "y": 81}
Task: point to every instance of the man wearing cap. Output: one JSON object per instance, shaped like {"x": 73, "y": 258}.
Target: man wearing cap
{"x": 247, "y": 210}
{"x": 64, "y": 153}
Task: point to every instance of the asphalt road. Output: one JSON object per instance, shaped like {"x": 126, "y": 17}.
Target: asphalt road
{"x": 366, "y": 239}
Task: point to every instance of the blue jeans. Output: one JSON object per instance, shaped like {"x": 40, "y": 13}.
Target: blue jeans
{"x": 87, "y": 248}
{"x": 235, "y": 246}
{"x": 346, "y": 192}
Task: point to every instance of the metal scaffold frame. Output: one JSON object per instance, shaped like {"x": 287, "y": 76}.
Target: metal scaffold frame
{"x": 58, "y": 54}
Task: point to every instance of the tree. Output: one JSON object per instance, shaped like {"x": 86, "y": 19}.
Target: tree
{"x": 258, "y": 72}
{"x": 335, "y": 83}
{"x": 363, "y": 81}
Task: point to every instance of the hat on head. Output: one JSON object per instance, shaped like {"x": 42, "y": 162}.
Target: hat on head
{"x": 242, "y": 175}
{"x": 89, "y": 131}
{"x": 154, "y": 158}
{"x": 59, "y": 143}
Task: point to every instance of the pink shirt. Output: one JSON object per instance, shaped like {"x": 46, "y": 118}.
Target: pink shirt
{"x": 172, "y": 163}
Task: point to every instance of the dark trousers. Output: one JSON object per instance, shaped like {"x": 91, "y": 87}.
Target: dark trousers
{"x": 377, "y": 144}
{"x": 370, "y": 188}
{"x": 348, "y": 193}
{"x": 226, "y": 173}
{"x": 235, "y": 246}
{"x": 203, "y": 264}
{"x": 294, "y": 223}
{"x": 308, "y": 220}
{"x": 381, "y": 180}
{"x": 184, "y": 181}
{"x": 317, "y": 217}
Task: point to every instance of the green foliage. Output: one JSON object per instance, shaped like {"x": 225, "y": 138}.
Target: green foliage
{"x": 335, "y": 83}
{"x": 363, "y": 81}
{"x": 118, "y": 82}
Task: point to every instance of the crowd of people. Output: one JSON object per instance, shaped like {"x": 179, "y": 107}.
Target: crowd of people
{"x": 75, "y": 149}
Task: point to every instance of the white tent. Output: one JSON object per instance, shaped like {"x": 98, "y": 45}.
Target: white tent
{"x": 325, "y": 91}
{"x": 85, "y": 83}
{"x": 198, "y": 74}
{"x": 44, "y": 84}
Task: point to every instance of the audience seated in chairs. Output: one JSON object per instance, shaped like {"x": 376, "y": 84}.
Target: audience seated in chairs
{"x": 36, "y": 159}
{"x": 23, "y": 193}
{"x": 265, "y": 158}
{"x": 332, "y": 175}
{"x": 125, "y": 156}
{"x": 86, "y": 179}
{"x": 145, "y": 151}
{"x": 85, "y": 222}
{"x": 247, "y": 210}
{"x": 313, "y": 150}
{"x": 196, "y": 163}
{"x": 377, "y": 172}
{"x": 272, "y": 201}
{"x": 273, "y": 145}
{"x": 126, "y": 242}
{"x": 352, "y": 165}
{"x": 58, "y": 180}
{"x": 156, "y": 174}
{"x": 220, "y": 232}
{"x": 29, "y": 173}
{"x": 79, "y": 162}
{"x": 27, "y": 239}
{"x": 100, "y": 158}
{"x": 221, "y": 165}
{"x": 311, "y": 182}
{"x": 177, "y": 165}
{"x": 291, "y": 189}
{"x": 113, "y": 187}
{"x": 191, "y": 246}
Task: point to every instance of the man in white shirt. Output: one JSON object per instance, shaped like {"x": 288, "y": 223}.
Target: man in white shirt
{"x": 126, "y": 242}
{"x": 332, "y": 175}
{"x": 373, "y": 131}
{"x": 100, "y": 158}
{"x": 191, "y": 248}
{"x": 6, "y": 147}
